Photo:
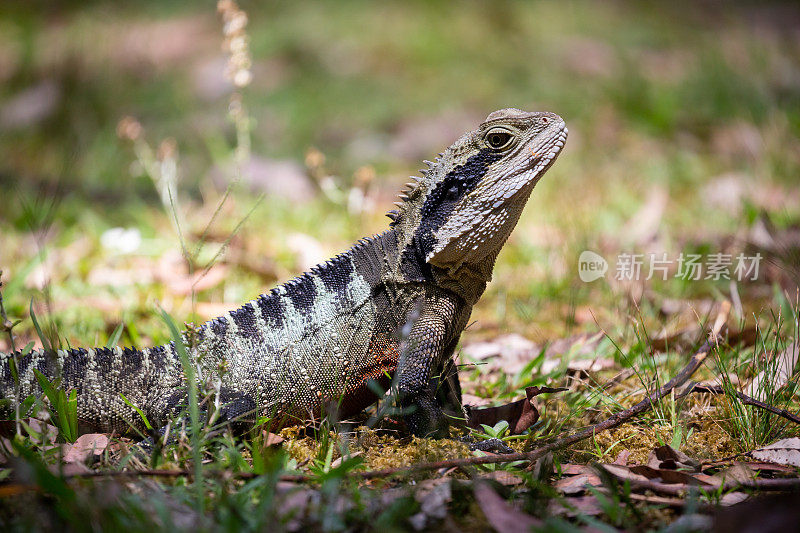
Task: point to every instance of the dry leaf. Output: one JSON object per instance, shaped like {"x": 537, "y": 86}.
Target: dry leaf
{"x": 624, "y": 473}
{"x": 338, "y": 461}
{"x": 500, "y": 514}
{"x": 433, "y": 496}
{"x": 577, "y": 484}
{"x": 475, "y": 401}
{"x": 622, "y": 458}
{"x": 783, "y": 452}
{"x": 508, "y": 353}
{"x": 272, "y": 440}
{"x": 294, "y": 503}
{"x": 582, "y": 367}
{"x": 765, "y": 513}
{"x": 575, "y": 506}
{"x": 503, "y": 477}
{"x": 732, "y": 498}
{"x": 520, "y": 414}
{"x": 91, "y": 444}
{"x": 666, "y": 457}
{"x": 740, "y": 472}
{"x": 570, "y": 469}
{"x": 645, "y": 474}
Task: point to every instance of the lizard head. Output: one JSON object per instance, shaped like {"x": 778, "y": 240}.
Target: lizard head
{"x": 464, "y": 207}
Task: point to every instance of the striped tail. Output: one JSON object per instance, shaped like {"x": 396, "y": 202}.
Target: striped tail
{"x": 151, "y": 379}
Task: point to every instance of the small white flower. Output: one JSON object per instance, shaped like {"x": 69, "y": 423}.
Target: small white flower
{"x": 121, "y": 240}
{"x": 242, "y": 78}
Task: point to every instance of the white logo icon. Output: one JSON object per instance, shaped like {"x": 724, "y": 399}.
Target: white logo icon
{"x": 591, "y": 266}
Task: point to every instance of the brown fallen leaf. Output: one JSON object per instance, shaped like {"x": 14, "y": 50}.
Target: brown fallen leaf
{"x": 42, "y": 431}
{"x": 622, "y": 458}
{"x": 294, "y": 501}
{"x": 573, "y": 485}
{"x": 5, "y": 445}
{"x": 738, "y": 472}
{"x": 732, "y": 498}
{"x": 623, "y": 473}
{"x": 69, "y": 469}
{"x": 510, "y": 353}
{"x": 503, "y": 477}
{"x": 475, "y": 401}
{"x": 583, "y": 367}
{"x": 271, "y": 440}
{"x": 763, "y": 466}
{"x": 433, "y": 496}
{"x": 499, "y": 513}
{"x": 782, "y": 452}
{"x": 88, "y": 445}
{"x": 570, "y": 469}
{"x": 667, "y": 458}
{"x": 644, "y": 474}
{"x": 520, "y": 414}
{"x": 339, "y": 460}
{"x": 575, "y": 506}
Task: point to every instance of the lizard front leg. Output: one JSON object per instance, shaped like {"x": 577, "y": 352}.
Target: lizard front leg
{"x": 423, "y": 353}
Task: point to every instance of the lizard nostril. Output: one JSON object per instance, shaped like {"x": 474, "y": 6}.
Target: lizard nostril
{"x": 545, "y": 120}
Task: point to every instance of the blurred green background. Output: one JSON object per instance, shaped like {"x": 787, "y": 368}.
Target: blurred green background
{"x": 684, "y": 127}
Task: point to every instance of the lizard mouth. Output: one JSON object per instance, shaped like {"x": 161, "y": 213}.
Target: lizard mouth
{"x": 551, "y": 150}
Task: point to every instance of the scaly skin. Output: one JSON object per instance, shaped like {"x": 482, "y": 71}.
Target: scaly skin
{"x": 389, "y": 310}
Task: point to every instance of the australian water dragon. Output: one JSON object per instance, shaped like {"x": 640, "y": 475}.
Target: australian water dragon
{"x": 392, "y": 307}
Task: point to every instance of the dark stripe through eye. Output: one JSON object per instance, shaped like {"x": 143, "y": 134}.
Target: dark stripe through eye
{"x": 441, "y": 202}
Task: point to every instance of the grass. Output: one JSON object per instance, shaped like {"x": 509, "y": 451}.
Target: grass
{"x": 700, "y": 106}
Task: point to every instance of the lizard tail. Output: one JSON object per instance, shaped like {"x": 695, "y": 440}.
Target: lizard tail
{"x": 100, "y": 376}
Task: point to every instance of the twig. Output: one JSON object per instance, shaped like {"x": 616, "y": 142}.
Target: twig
{"x": 679, "y": 489}
{"x": 749, "y": 400}
{"x": 779, "y": 484}
{"x": 619, "y": 378}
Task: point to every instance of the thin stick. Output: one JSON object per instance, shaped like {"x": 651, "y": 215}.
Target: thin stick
{"x": 679, "y": 489}
{"x": 749, "y": 400}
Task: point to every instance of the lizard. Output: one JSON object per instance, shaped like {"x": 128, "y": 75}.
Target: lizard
{"x": 388, "y": 311}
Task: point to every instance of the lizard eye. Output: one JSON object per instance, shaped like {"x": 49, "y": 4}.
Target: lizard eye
{"x": 498, "y": 138}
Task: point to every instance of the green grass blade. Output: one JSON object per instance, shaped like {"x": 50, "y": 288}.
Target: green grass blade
{"x": 139, "y": 411}
{"x": 42, "y": 338}
{"x": 194, "y": 410}
{"x": 114, "y": 339}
